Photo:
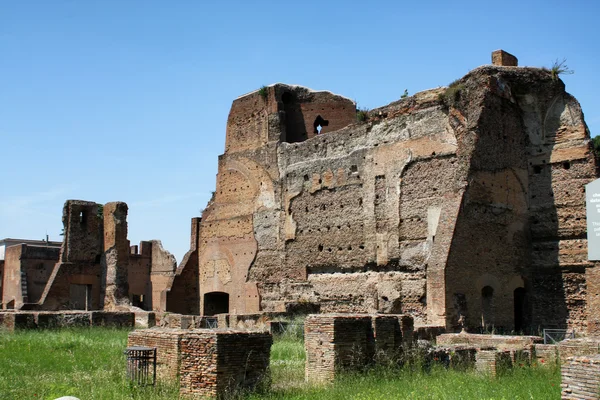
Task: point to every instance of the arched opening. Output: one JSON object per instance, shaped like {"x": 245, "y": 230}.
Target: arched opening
{"x": 319, "y": 124}
{"x": 487, "y": 318}
{"x": 519, "y": 305}
{"x": 216, "y": 303}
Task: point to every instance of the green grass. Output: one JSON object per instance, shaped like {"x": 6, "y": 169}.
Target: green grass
{"x": 89, "y": 364}
{"x": 85, "y": 363}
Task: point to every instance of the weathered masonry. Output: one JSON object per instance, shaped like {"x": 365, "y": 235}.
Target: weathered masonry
{"x": 95, "y": 269}
{"x": 465, "y": 201}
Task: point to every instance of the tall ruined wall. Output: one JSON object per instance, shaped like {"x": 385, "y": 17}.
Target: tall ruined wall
{"x": 461, "y": 202}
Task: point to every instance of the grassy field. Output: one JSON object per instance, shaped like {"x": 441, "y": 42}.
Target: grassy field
{"x": 89, "y": 364}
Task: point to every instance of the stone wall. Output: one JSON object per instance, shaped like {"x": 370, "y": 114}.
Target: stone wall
{"x": 17, "y": 320}
{"x": 581, "y": 378}
{"x": 503, "y": 342}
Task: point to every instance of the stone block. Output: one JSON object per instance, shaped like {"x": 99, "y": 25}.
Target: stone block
{"x": 501, "y": 57}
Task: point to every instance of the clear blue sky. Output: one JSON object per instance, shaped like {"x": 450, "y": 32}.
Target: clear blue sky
{"x": 128, "y": 100}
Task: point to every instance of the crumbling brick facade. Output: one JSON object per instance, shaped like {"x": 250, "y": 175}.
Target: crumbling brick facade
{"x": 95, "y": 269}
{"x": 455, "y": 202}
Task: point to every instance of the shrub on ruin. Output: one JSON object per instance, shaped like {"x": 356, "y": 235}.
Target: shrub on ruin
{"x": 264, "y": 92}
{"x": 362, "y": 114}
{"x": 452, "y": 94}
{"x": 560, "y": 68}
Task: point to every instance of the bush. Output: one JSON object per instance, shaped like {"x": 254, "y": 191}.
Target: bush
{"x": 452, "y": 94}
{"x": 362, "y": 114}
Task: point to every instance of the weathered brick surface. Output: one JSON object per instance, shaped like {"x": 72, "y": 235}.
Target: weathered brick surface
{"x": 501, "y": 57}
{"x": 578, "y": 347}
{"x": 492, "y": 361}
{"x": 336, "y": 342}
{"x": 209, "y": 362}
{"x": 581, "y": 378}
{"x": 167, "y": 344}
{"x": 431, "y": 202}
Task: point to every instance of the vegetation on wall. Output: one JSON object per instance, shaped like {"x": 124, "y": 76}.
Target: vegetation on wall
{"x": 596, "y": 144}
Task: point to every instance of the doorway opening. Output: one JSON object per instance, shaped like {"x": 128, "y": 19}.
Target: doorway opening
{"x": 216, "y": 303}
{"x": 487, "y": 318}
{"x": 519, "y": 304}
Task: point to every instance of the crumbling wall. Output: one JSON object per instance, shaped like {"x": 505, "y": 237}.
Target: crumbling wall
{"x": 183, "y": 293}
{"x": 97, "y": 264}
{"x": 138, "y": 275}
{"x": 162, "y": 271}
{"x": 462, "y": 206}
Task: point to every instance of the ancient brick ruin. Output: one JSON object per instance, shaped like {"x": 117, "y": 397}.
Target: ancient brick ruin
{"x": 209, "y": 362}
{"x": 95, "y": 269}
{"x": 462, "y": 206}
{"x": 338, "y": 342}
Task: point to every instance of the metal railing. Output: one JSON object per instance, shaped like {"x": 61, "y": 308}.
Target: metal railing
{"x": 140, "y": 361}
{"x": 552, "y": 336}
{"x": 211, "y": 323}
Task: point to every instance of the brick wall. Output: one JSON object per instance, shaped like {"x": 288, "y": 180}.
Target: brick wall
{"x": 167, "y": 343}
{"x": 492, "y": 361}
{"x": 581, "y": 378}
{"x": 208, "y": 362}
{"x": 335, "y": 342}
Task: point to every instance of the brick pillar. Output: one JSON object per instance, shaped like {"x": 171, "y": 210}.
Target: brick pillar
{"x": 116, "y": 256}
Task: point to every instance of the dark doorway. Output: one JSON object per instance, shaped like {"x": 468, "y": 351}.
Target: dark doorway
{"x": 487, "y": 317}
{"x": 80, "y": 297}
{"x": 519, "y": 301}
{"x": 216, "y": 303}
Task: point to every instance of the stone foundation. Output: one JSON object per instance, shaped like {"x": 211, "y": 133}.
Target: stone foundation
{"x": 17, "y": 320}
{"x": 581, "y": 378}
{"x": 208, "y": 362}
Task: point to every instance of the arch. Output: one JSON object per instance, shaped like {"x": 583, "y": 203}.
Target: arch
{"x": 488, "y": 280}
{"x": 216, "y": 303}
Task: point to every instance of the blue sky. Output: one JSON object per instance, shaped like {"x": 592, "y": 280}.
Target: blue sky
{"x": 128, "y": 100}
